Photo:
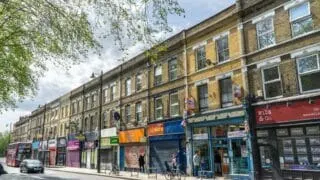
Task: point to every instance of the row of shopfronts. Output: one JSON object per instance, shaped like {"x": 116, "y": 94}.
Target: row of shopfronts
{"x": 283, "y": 134}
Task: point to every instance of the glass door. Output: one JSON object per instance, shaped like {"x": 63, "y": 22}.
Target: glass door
{"x": 239, "y": 159}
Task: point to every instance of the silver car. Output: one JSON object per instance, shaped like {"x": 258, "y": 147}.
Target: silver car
{"x": 31, "y": 165}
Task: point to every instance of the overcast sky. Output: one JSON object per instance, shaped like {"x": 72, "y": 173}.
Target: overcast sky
{"x": 57, "y": 82}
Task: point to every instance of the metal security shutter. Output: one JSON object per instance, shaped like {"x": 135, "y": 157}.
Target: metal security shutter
{"x": 161, "y": 151}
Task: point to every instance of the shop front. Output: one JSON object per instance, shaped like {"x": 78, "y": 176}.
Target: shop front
{"x": 132, "y": 145}
{"x": 167, "y": 145}
{"x": 73, "y": 153}
{"x": 35, "y": 149}
{"x": 52, "y": 147}
{"x": 61, "y": 151}
{"x": 223, "y": 144}
{"x": 288, "y": 138}
{"x": 109, "y": 147}
{"x": 44, "y": 152}
{"x": 89, "y": 155}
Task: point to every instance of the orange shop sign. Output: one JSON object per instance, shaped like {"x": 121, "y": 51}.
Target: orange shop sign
{"x": 131, "y": 136}
{"x": 155, "y": 129}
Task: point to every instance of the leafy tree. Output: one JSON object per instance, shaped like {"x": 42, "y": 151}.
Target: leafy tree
{"x": 4, "y": 141}
{"x": 37, "y": 32}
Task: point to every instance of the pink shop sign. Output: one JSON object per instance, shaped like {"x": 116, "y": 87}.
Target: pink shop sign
{"x": 73, "y": 145}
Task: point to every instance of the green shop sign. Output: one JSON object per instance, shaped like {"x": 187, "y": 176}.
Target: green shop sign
{"x": 109, "y": 141}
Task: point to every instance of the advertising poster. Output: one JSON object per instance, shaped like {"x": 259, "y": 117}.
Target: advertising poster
{"x": 132, "y": 154}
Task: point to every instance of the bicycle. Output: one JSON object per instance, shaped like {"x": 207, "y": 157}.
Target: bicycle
{"x": 114, "y": 170}
{"x": 172, "y": 174}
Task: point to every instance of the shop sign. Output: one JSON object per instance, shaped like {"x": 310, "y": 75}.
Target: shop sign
{"x": 219, "y": 116}
{"x": 52, "y": 144}
{"x": 155, "y": 129}
{"x": 89, "y": 145}
{"x": 73, "y": 145}
{"x": 109, "y": 141}
{"x": 200, "y": 136}
{"x": 173, "y": 127}
{"x": 35, "y": 145}
{"x": 296, "y": 111}
{"x": 235, "y": 134}
{"x": 131, "y": 136}
{"x": 62, "y": 142}
{"x": 110, "y": 132}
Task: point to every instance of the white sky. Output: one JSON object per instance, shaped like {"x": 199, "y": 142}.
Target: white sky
{"x": 57, "y": 82}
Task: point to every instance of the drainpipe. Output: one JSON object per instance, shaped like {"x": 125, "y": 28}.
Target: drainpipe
{"x": 99, "y": 124}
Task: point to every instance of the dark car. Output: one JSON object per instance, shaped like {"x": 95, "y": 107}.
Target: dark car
{"x": 31, "y": 165}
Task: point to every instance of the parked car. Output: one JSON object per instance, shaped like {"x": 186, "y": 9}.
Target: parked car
{"x": 31, "y": 165}
{"x": 2, "y": 171}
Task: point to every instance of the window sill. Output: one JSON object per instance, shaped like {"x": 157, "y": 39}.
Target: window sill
{"x": 223, "y": 62}
{"x": 310, "y": 91}
{"x": 273, "y": 98}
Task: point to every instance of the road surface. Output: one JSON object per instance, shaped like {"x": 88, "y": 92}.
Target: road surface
{"x": 14, "y": 174}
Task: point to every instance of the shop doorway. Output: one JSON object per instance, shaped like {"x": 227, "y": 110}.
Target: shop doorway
{"x": 221, "y": 158}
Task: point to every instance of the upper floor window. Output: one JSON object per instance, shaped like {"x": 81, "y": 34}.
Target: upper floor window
{"x": 300, "y": 18}
{"x": 112, "y": 92}
{"x": 174, "y": 104}
{"x": 112, "y": 120}
{"x": 94, "y": 100}
{"x": 138, "y": 82}
{"x": 172, "y": 66}
{"x": 138, "y": 112}
{"x": 265, "y": 33}
{"x": 105, "y": 95}
{"x": 309, "y": 72}
{"x": 226, "y": 92}
{"x": 128, "y": 87}
{"x": 201, "y": 57}
{"x": 127, "y": 113}
{"x": 223, "y": 48}
{"x": 158, "y": 108}
{"x": 203, "y": 97}
{"x": 87, "y": 102}
{"x": 91, "y": 128}
{"x": 158, "y": 75}
{"x": 271, "y": 82}
{"x": 105, "y": 120}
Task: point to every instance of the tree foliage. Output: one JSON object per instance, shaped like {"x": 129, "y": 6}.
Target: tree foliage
{"x": 34, "y": 33}
{"x": 4, "y": 142}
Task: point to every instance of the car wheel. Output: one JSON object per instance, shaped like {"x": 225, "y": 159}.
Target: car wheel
{"x": 42, "y": 171}
{"x": 21, "y": 170}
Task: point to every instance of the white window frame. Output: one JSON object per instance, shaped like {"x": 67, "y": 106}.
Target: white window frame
{"x": 138, "y": 77}
{"x": 112, "y": 92}
{"x": 271, "y": 31}
{"x": 264, "y": 83}
{"x": 158, "y": 108}
{"x": 173, "y": 70}
{"x": 308, "y": 72}
{"x": 174, "y": 104}
{"x": 298, "y": 18}
{"x": 217, "y": 48}
{"x": 128, "y": 87}
{"x": 126, "y": 108}
{"x": 157, "y": 73}
{"x": 138, "y": 111}
{"x": 197, "y": 59}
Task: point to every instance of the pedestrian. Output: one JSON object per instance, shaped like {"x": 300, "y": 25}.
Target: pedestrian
{"x": 174, "y": 161}
{"x": 196, "y": 163}
{"x": 217, "y": 163}
{"x": 141, "y": 163}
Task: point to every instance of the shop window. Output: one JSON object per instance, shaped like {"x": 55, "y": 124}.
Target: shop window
{"x": 158, "y": 75}
{"x": 158, "y": 108}
{"x": 201, "y": 57}
{"x": 272, "y": 82}
{"x": 174, "y": 105}
{"x": 265, "y": 33}
{"x": 173, "y": 69}
{"x": 239, "y": 159}
{"x": 138, "y": 82}
{"x": 128, "y": 87}
{"x": 203, "y": 97}
{"x": 127, "y": 113}
{"x": 138, "y": 112}
{"x": 223, "y": 49}
{"x": 226, "y": 92}
{"x": 309, "y": 72}
{"x": 301, "y": 19}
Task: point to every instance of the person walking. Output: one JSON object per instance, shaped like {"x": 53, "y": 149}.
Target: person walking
{"x": 196, "y": 163}
{"x": 217, "y": 163}
{"x": 141, "y": 163}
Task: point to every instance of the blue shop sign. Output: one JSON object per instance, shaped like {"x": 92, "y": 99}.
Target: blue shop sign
{"x": 35, "y": 145}
{"x": 173, "y": 127}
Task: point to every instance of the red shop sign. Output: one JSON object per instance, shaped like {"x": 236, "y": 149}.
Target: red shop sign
{"x": 281, "y": 113}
